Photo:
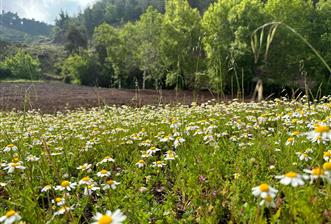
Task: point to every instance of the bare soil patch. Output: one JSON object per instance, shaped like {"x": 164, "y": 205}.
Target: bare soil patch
{"x": 53, "y": 96}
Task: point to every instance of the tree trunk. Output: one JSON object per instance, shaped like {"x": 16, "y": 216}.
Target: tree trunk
{"x": 144, "y": 79}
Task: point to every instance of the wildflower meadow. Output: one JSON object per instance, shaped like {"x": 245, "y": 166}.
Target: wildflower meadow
{"x": 267, "y": 162}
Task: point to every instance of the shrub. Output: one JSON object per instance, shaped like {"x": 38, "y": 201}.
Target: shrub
{"x": 21, "y": 66}
{"x": 86, "y": 70}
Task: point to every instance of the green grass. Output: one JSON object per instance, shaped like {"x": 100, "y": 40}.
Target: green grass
{"x": 228, "y": 150}
{"x": 20, "y": 81}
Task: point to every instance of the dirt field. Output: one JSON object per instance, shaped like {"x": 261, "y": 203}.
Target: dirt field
{"x": 51, "y": 97}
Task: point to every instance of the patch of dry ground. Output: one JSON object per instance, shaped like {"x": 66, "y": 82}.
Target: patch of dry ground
{"x": 52, "y": 96}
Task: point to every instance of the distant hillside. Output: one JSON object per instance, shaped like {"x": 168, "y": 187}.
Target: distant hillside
{"x": 21, "y": 30}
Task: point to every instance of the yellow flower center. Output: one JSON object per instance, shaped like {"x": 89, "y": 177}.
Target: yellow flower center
{"x": 10, "y": 145}
{"x": 85, "y": 179}
{"x": 291, "y": 174}
{"x": 296, "y": 133}
{"x": 264, "y": 187}
{"x": 327, "y": 166}
{"x": 58, "y": 199}
{"x": 10, "y": 213}
{"x": 141, "y": 161}
{"x": 105, "y": 219}
{"x": 153, "y": 148}
{"x": 103, "y": 171}
{"x": 321, "y": 128}
{"x": 89, "y": 186}
{"x": 158, "y": 162}
{"x": 327, "y": 154}
{"x": 110, "y": 182}
{"x": 15, "y": 160}
{"x": 290, "y": 139}
{"x": 317, "y": 171}
{"x": 268, "y": 198}
{"x": 14, "y": 165}
{"x": 65, "y": 183}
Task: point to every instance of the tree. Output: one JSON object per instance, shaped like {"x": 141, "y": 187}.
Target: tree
{"x": 217, "y": 40}
{"x": 321, "y": 38}
{"x": 289, "y": 56}
{"x": 228, "y": 26}
{"x": 76, "y": 39}
{"x": 180, "y": 40}
{"x": 22, "y": 66}
{"x": 72, "y": 67}
{"x": 108, "y": 38}
{"x": 61, "y": 27}
{"x": 148, "y": 52}
{"x": 85, "y": 69}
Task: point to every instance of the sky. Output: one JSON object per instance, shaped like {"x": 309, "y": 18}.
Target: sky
{"x": 44, "y": 10}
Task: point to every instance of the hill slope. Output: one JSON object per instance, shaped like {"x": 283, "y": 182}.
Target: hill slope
{"x": 21, "y": 30}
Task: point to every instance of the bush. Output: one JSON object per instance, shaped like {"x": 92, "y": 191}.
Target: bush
{"x": 86, "y": 70}
{"x": 21, "y": 66}
{"x": 4, "y": 72}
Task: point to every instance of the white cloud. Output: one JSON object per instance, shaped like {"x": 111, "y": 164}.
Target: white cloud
{"x": 44, "y": 10}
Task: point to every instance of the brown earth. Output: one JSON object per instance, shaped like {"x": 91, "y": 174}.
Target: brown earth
{"x": 53, "y": 96}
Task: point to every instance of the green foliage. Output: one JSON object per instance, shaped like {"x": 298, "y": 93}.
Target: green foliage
{"x": 22, "y": 66}
{"x": 73, "y": 67}
{"x": 4, "y": 72}
{"x": 180, "y": 42}
{"x": 148, "y": 52}
{"x": 220, "y": 45}
{"x": 85, "y": 69}
{"x": 286, "y": 49}
{"x": 228, "y": 149}
{"x": 76, "y": 39}
{"x": 110, "y": 49}
{"x": 16, "y": 29}
{"x": 228, "y": 26}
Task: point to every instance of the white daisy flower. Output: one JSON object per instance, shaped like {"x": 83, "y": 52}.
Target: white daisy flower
{"x": 110, "y": 184}
{"x": 10, "y": 148}
{"x": 316, "y": 173}
{"x": 327, "y": 155}
{"x": 170, "y": 155}
{"x": 321, "y": 133}
{"x": 327, "y": 168}
{"x": 140, "y": 163}
{"x": 158, "y": 164}
{"x": 85, "y": 167}
{"x": 11, "y": 167}
{"x": 85, "y": 180}
{"x": 109, "y": 218}
{"x": 292, "y": 178}
{"x": 303, "y": 156}
{"x": 59, "y": 201}
{"x": 167, "y": 138}
{"x": 88, "y": 190}
{"x": 32, "y": 158}
{"x": 263, "y": 190}
{"x": 107, "y": 159}
{"x": 46, "y": 188}
{"x": 10, "y": 217}
{"x": 65, "y": 185}
{"x": 290, "y": 141}
{"x": 145, "y": 155}
{"x": 178, "y": 141}
{"x": 152, "y": 150}
{"x": 268, "y": 201}
{"x": 63, "y": 210}
{"x": 103, "y": 173}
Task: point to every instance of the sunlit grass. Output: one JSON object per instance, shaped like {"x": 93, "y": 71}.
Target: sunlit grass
{"x": 184, "y": 164}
